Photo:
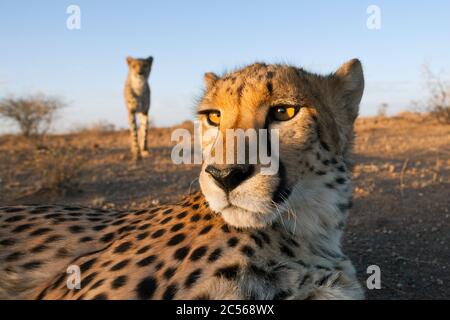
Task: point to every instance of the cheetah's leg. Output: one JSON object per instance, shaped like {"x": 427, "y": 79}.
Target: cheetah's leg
{"x": 143, "y": 130}
{"x": 332, "y": 285}
{"x": 133, "y": 135}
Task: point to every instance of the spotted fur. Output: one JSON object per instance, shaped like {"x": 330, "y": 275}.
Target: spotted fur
{"x": 137, "y": 98}
{"x": 195, "y": 249}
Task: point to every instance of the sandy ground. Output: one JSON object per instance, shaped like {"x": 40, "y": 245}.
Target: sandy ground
{"x": 400, "y": 220}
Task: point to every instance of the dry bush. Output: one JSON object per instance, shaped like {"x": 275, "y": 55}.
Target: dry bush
{"x": 103, "y": 127}
{"x": 33, "y": 114}
{"x": 59, "y": 169}
{"x": 151, "y": 122}
{"x": 382, "y": 110}
{"x": 438, "y": 103}
{"x": 96, "y": 127}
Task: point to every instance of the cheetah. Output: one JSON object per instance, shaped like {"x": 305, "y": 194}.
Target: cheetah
{"x": 244, "y": 235}
{"x": 137, "y": 99}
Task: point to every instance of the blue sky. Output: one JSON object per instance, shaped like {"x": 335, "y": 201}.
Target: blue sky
{"x": 187, "y": 38}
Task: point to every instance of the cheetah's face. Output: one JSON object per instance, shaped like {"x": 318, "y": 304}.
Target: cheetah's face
{"x": 313, "y": 115}
{"x": 140, "y": 67}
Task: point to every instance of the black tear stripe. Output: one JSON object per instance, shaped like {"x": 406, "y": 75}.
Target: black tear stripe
{"x": 283, "y": 191}
{"x": 269, "y": 87}
{"x": 267, "y": 127}
{"x": 239, "y": 91}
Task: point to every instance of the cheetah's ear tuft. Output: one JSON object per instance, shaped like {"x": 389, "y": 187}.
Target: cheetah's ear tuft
{"x": 349, "y": 84}
{"x": 210, "y": 79}
{"x": 129, "y": 60}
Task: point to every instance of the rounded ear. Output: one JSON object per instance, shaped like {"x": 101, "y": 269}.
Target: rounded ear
{"x": 349, "y": 85}
{"x": 129, "y": 60}
{"x": 351, "y": 73}
{"x": 210, "y": 78}
{"x": 150, "y": 60}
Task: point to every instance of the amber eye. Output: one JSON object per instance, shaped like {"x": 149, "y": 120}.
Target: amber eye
{"x": 213, "y": 118}
{"x": 283, "y": 113}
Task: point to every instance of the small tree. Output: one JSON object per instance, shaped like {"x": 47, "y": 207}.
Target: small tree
{"x": 33, "y": 114}
{"x": 438, "y": 103}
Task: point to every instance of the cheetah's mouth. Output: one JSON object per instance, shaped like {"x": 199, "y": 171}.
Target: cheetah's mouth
{"x": 256, "y": 203}
{"x": 253, "y": 213}
{"x": 243, "y": 218}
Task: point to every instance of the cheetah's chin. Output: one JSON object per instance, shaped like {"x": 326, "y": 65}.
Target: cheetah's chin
{"x": 242, "y": 218}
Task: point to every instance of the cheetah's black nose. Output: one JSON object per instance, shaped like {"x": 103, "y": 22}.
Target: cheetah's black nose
{"x": 230, "y": 176}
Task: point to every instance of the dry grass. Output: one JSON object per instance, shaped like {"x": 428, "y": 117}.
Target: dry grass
{"x": 58, "y": 170}
{"x": 98, "y": 127}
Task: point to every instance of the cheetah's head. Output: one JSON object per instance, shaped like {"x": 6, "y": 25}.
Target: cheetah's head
{"x": 140, "y": 67}
{"x": 314, "y": 116}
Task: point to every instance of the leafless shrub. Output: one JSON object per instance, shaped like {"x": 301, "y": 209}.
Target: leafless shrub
{"x": 34, "y": 114}
{"x": 438, "y": 103}
{"x": 59, "y": 169}
{"x": 151, "y": 122}
{"x": 102, "y": 126}
{"x": 382, "y": 110}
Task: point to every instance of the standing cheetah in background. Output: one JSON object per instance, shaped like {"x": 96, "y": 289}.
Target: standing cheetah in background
{"x": 244, "y": 236}
{"x": 137, "y": 98}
